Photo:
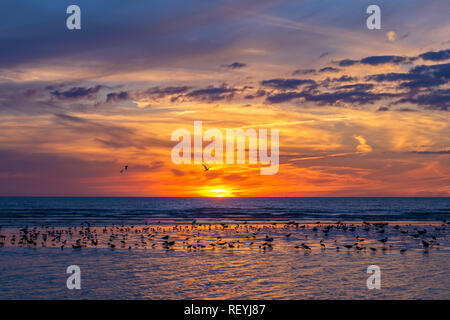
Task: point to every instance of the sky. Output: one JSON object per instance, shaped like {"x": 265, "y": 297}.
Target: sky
{"x": 360, "y": 112}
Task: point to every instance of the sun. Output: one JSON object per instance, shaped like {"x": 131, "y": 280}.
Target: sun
{"x": 219, "y": 193}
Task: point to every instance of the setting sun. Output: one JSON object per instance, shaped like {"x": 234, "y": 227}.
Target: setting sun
{"x": 219, "y": 193}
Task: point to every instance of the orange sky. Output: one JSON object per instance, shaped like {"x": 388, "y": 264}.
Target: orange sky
{"x": 70, "y": 120}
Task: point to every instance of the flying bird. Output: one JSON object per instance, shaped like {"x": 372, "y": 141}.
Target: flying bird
{"x": 206, "y": 167}
{"x": 125, "y": 168}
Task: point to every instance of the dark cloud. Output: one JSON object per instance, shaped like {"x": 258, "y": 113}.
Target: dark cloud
{"x": 432, "y": 152}
{"x": 357, "y": 94}
{"x": 328, "y": 69}
{"x": 117, "y": 96}
{"x": 285, "y": 84}
{"x": 347, "y": 62}
{"x": 258, "y": 94}
{"x": 422, "y": 76}
{"x": 284, "y": 97}
{"x": 377, "y": 60}
{"x": 406, "y": 110}
{"x": 344, "y": 78}
{"x": 355, "y": 97}
{"x": 358, "y": 86}
{"x": 163, "y": 92}
{"x": 212, "y": 93}
{"x": 235, "y": 65}
{"x": 436, "y": 99}
{"x": 436, "y": 55}
{"x": 424, "y": 82}
{"x": 77, "y": 92}
{"x": 437, "y": 70}
{"x": 328, "y": 82}
{"x": 303, "y": 71}
{"x": 393, "y": 77}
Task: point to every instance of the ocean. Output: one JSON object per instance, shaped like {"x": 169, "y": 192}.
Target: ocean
{"x": 227, "y": 248}
{"x": 64, "y": 211}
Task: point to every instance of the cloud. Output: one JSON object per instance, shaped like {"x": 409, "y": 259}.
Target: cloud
{"x": 117, "y": 96}
{"x": 328, "y": 69}
{"x": 436, "y": 55}
{"x": 77, "y": 92}
{"x": 357, "y": 86}
{"x": 258, "y": 94}
{"x": 284, "y": 97}
{"x": 235, "y": 65}
{"x": 303, "y": 71}
{"x": 357, "y": 94}
{"x": 163, "y": 92}
{"x": 344, "y": 78}
{"x": 347, "y": 62}
{"x": 362, "y": 146}
{"x": 432, "y": 152}
{"x": 437, "y": 99}
{"x": 421, "y": 76}
{"x": 406, "y": 110}
{"x": 284, "y": 84}
{"x": 376, "y": 60}
{"x": 212, "y": 93}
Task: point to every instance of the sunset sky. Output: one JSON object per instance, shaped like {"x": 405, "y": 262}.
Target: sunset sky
{"x": 360, "y": 112}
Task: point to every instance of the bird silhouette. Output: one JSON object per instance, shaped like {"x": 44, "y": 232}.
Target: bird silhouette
{"x": 206, "y": 167}
{"x": 125, "y": 168}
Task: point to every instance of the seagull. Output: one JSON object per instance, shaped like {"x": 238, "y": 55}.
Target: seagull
{"x": 206, "y": 168}
{"x": 306, "y": 246}
{"x": 125, "y": 168}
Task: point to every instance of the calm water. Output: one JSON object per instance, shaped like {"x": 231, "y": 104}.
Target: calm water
{"x": 21, "y": 211}
{"x": 143, "y": 268}
{"x": 143, "y": 274}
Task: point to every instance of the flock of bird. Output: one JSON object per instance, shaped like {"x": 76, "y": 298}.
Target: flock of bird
{"x": 364, "y": 237}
